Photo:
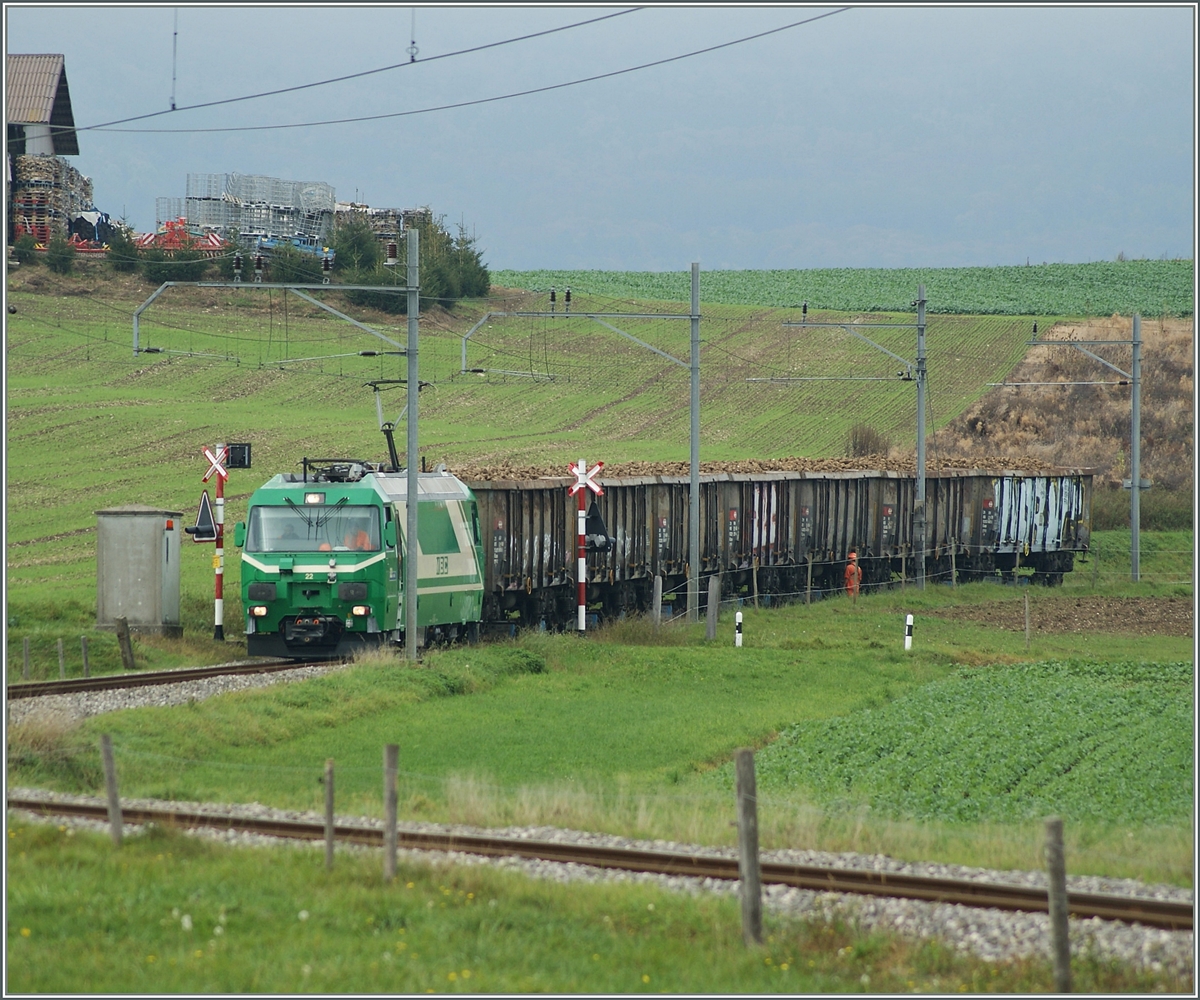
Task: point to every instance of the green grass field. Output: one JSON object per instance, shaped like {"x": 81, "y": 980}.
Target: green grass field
{"x": 167, "y": 914}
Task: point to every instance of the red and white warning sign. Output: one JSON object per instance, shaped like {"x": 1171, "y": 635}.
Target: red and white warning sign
{"x": 215, "y": 464}
{"x": 584, "y": 478}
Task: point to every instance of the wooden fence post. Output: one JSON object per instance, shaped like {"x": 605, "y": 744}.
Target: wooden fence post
{"x": 329, "y": 814}
{"x": 126, "y": 644}
{"x": 953, "y": 566}
{"x": 714, "y": 605}
{"x": 83, "y": 646}
{"x": 391, "y": 764}
{"x": 756, "y": 583}
{"x": 748, "y": 865}
{"x": 1027, "y": 619}
{"x": 656, "y": 607}
{"x": 808, "y": 592}
{"x": 1095, "y": 564}
{"x": 1056, "y": 871}
{"x": 25, "y": 669}
{"x": 62, "y": 662}
{"x": 110, "y": 786}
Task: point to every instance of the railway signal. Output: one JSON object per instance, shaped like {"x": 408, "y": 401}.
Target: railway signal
{"x": 584, "y": 481}
{"x": 221, "y": 459}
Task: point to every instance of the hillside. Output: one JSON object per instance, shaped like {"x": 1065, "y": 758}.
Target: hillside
{"x": 1089, "y": 425}
{"x": 90, "y": 425}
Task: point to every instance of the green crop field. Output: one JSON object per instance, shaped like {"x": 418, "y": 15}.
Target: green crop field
{"x": 1097, "y": 741}
{"x": 1151, "y": 287}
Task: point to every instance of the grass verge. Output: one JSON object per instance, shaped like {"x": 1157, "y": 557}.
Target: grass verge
{"x": 167, "y": 914}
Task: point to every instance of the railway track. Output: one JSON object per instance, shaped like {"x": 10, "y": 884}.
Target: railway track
{"x": 1168, "y": 914}
{"x": 110, "y": 682}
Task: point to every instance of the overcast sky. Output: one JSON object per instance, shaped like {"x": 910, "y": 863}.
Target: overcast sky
{"x": 876, "y": 137}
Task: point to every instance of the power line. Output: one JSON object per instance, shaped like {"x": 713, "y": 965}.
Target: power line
{"x": 342, "y": 79}
{"x": 477, "y": 101}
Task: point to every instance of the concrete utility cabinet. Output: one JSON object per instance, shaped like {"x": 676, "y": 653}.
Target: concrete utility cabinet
{"x": 137, "y": 569}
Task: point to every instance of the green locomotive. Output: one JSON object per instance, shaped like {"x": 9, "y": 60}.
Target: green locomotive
{"x": 323, "y": 560}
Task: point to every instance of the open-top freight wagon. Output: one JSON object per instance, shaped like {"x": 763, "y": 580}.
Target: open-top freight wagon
{"x": 777, "y": 534}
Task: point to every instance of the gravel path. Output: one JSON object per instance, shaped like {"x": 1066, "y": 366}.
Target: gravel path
{"x": 993, "y": 935}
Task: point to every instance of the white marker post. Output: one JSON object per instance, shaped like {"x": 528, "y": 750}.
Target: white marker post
{"x": 583, "y": 482}
{"x": 216, "y": 464}
{"x": 737, "y": 635}
{"x": 908, "y": 622}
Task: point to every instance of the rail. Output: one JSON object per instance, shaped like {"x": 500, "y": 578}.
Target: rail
{"x": 1168, "y": 914}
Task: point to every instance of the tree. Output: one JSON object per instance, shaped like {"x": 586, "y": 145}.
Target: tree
{"x": 25, "y": 249}
{"x": 123, "y": 254}
{"x": 355, "y": 244}
{"x": 451, "y": 266}
{"x": 182, "y": 265}
{"x": 60, "y": 255}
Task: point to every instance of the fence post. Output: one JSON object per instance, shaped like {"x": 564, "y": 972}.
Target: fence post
{"x": 329, "y": 814}
{"x": 110, "y": 786}
{"x": 953, "y": 566}
{"x": 62, "y": 662}
{"x": 83, "y": 646}
{"x": 126, "y": 644}
{"x": 391, "y": 763}
{"x": 1056, "y": 870}
{"x": 1027, "y": 619}
{"x": 25, "y": 669}
{"x": 756, "y": 583}
{"x": 1095, "y": 564}
{"x": 808, "y": 592}
{"x": 656, "y": 607}
{"x": 714, "y": 604}
{"x": 748, "y": 867}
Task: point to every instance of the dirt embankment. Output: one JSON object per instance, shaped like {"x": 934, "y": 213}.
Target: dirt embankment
{"x": 1071, "y": 424}
{"x": 1125, "y": 615}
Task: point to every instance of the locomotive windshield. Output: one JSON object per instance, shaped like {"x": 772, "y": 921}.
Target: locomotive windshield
{"x": 336, "y": 528}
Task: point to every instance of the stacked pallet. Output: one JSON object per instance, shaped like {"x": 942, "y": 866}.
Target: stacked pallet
{"x": 47, "y": 194}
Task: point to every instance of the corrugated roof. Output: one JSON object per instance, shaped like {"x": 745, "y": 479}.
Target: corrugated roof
{"x": 37, "y": 94}
{"x": 32, "y": 87}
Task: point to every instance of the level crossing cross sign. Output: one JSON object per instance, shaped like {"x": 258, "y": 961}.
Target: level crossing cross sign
{"x": 585, "y": 478}
{"x": 215, "y": 464}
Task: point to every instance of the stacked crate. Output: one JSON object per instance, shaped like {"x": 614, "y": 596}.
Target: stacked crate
{"x": 47, "y": 193}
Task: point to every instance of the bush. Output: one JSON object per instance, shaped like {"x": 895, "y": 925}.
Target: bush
{"x": 123, "y": 254}
{"x": 1161, "y": 509}
{"x": 60, "y": 256}
{"x": 865, "y": 440}
{"x": 291, "y": 266}
{"x": 182, "y": 265}
{"x": 25, "y": 249}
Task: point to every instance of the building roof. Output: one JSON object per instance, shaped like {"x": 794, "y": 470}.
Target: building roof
{"x": 37, "y": 94}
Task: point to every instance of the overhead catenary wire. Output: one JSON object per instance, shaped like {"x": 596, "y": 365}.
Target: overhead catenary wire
{"x": 347, "y": 76}
{"x": 477, "y": 101}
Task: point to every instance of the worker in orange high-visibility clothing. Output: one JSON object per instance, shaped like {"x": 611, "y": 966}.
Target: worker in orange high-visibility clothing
{"x": 853, "y": 575}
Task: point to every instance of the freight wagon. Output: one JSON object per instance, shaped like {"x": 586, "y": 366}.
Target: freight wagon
{"x": 777, "y": 534}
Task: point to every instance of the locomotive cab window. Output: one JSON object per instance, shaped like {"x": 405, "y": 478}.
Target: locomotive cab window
{"x": 345, "y": 528}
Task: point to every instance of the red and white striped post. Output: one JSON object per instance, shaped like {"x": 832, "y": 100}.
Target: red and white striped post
{"x": 583, "y": 483}
{"x": 217, "y": 464}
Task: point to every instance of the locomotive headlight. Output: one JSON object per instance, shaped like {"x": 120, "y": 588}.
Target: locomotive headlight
{"x": 259, "y": 611}
{"x": 360, "y": 610}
